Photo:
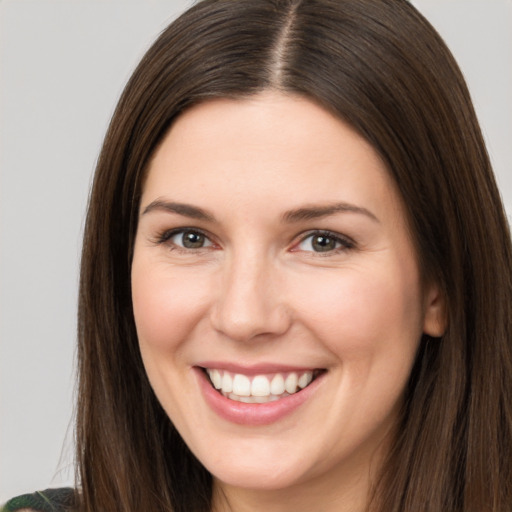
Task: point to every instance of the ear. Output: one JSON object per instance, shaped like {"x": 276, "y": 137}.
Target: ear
{"x": 435, "y": 320}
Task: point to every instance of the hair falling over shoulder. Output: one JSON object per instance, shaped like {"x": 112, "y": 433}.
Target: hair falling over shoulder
{"x": 380, "y": 66}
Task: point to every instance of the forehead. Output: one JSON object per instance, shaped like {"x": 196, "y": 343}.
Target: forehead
{"x": 282, "y": 148}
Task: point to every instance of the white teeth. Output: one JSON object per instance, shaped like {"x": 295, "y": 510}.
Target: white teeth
{"x": 277, "y": 385}
{"x": 227, "y": 383}
{"x": 255, "y": 399}
{"x": 290, "y": 384}
{"x": 261, "y": 388}
{"x": 216, "y": 379}
{"x": 305, "y": 379}
{"x": 241, "y": 385}
{"x": 248, "y": 399}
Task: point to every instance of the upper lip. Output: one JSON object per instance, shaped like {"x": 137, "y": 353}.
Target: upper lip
{"x": 254, "y": 369}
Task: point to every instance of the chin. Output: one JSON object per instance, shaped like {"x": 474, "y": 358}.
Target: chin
{"x": 259, "y": 477}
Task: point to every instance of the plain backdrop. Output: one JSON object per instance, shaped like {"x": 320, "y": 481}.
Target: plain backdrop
{"x": 63, "y": 64}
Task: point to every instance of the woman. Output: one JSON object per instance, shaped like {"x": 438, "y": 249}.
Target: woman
{"x": 296, "y": 287}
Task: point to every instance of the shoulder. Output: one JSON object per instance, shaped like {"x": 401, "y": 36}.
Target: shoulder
{"x": 50, "y": 500}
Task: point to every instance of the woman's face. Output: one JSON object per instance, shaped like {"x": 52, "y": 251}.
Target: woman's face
{"x": 273, "y": 254}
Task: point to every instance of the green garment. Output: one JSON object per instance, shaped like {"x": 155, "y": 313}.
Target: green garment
{"x": 50, "y": 500}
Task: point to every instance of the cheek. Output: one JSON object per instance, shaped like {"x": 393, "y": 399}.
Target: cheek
{"x": 363, "y": 309}
{"x": 167, "y": 305}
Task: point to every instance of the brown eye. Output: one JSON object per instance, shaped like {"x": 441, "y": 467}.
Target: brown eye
{"x": 189, "y": 239}
{"x": 192, "y": 240}
{"x": 324, "y": 242}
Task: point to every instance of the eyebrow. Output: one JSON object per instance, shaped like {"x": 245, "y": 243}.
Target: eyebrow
{"x": 186, "y": 210}
{"x": 290, "y": 217}
{"x": 319, "y": 211}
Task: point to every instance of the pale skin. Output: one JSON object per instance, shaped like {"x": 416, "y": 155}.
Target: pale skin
{"x": 301, "y": 257}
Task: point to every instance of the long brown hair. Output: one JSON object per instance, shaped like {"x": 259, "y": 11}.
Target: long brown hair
{"x": 380, "y": 66}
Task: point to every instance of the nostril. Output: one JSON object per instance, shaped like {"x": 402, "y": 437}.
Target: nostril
{"x": 250, "y": 328}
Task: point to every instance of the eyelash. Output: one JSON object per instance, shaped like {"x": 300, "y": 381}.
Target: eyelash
{"x": 165, "y": 237}
{"x": 344, "y": 242}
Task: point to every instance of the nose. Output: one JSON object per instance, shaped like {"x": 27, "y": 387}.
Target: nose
{"x": 250, "y": 302}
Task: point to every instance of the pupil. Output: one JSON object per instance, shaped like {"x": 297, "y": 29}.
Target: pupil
{"x": 193, "y": 240}
{"x": 323, "y": 243}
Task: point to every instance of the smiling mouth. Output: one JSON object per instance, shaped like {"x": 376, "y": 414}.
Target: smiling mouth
{"x": 260, "y": 389}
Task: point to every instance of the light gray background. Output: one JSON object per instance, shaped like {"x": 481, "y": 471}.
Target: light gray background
{"x": 62, "y": 67}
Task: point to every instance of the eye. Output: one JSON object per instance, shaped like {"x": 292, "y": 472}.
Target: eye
{"x": 187, "y": 239}
{"x": 324, "y": 241}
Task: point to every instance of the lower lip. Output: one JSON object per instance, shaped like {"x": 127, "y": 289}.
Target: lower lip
{"x": 253, "y": 414}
